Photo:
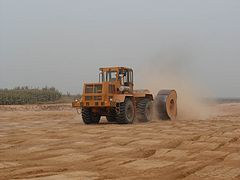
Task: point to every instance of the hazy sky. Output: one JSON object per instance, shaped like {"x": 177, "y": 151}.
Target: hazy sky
{"x": 62, "y": 43}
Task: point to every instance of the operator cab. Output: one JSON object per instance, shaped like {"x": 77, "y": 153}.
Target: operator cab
{"x": 121, "y": 74}
{"x": 122, "y": 77}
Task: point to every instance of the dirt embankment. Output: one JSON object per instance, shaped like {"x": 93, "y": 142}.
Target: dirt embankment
{"x": 36, "y": 107}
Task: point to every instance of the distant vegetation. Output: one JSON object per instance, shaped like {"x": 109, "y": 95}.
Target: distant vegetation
{"x": 26, "y": 95}
{"x": 228, "y": 100}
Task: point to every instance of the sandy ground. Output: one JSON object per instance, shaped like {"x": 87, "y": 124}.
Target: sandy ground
{"x": 49, "y": 142}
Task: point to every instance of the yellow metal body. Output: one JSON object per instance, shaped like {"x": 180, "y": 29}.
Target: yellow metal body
{"x": 107, "y": 93}
{"x": 101, "y": 98}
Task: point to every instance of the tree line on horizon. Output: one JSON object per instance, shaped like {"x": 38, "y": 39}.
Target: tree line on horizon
{"x": 28, "y": 95}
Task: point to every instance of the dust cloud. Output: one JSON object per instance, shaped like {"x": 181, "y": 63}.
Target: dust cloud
{"x": 171, "y": 74}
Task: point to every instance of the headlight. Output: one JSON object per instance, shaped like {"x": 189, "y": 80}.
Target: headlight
{"x": 124, "y": 88}
{"x": 121, "y": 88}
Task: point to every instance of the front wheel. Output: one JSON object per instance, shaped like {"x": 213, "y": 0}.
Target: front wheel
{"x": 111, "y": 117}
{"x": 126, "y": 112}
{"x": 89, "y": 117}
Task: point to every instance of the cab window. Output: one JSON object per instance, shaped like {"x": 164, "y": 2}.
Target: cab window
{"x": 102, "y": 77}
{"x": 128, "y": 77}
{"x": 111, "y": 76}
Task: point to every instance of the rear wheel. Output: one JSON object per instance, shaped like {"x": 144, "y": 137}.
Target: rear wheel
{"x": 89, "y": 117}
{"x": 126, "y": 112}
{"x": 144, "y": 110}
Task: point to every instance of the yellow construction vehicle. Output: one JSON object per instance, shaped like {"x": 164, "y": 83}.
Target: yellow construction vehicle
{"x": 114, "y": 97}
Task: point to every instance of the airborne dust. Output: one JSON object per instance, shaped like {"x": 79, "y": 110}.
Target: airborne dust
{"x": 170, "y": 73}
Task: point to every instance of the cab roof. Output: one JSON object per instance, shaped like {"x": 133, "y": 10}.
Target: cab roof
{"x": 114, "y": 68}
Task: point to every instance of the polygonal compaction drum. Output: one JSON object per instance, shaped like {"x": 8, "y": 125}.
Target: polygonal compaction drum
{"x": 166, "y": 104}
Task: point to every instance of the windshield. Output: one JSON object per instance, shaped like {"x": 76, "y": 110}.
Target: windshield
{"x": 109, "y": 76}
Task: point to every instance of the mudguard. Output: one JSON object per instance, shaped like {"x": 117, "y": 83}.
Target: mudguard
{"x": 118, "y": 98}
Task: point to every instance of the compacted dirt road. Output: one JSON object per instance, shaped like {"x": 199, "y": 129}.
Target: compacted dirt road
{"x": 50, "y": 142}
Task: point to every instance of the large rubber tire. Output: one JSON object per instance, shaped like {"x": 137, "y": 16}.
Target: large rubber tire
{"x": 89, "y": 117}
{"x": 166, "y": 104}
{"x": 112, "y": 116}
{"x": 126, "y": 112}
{"x": 144, "y": 110}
